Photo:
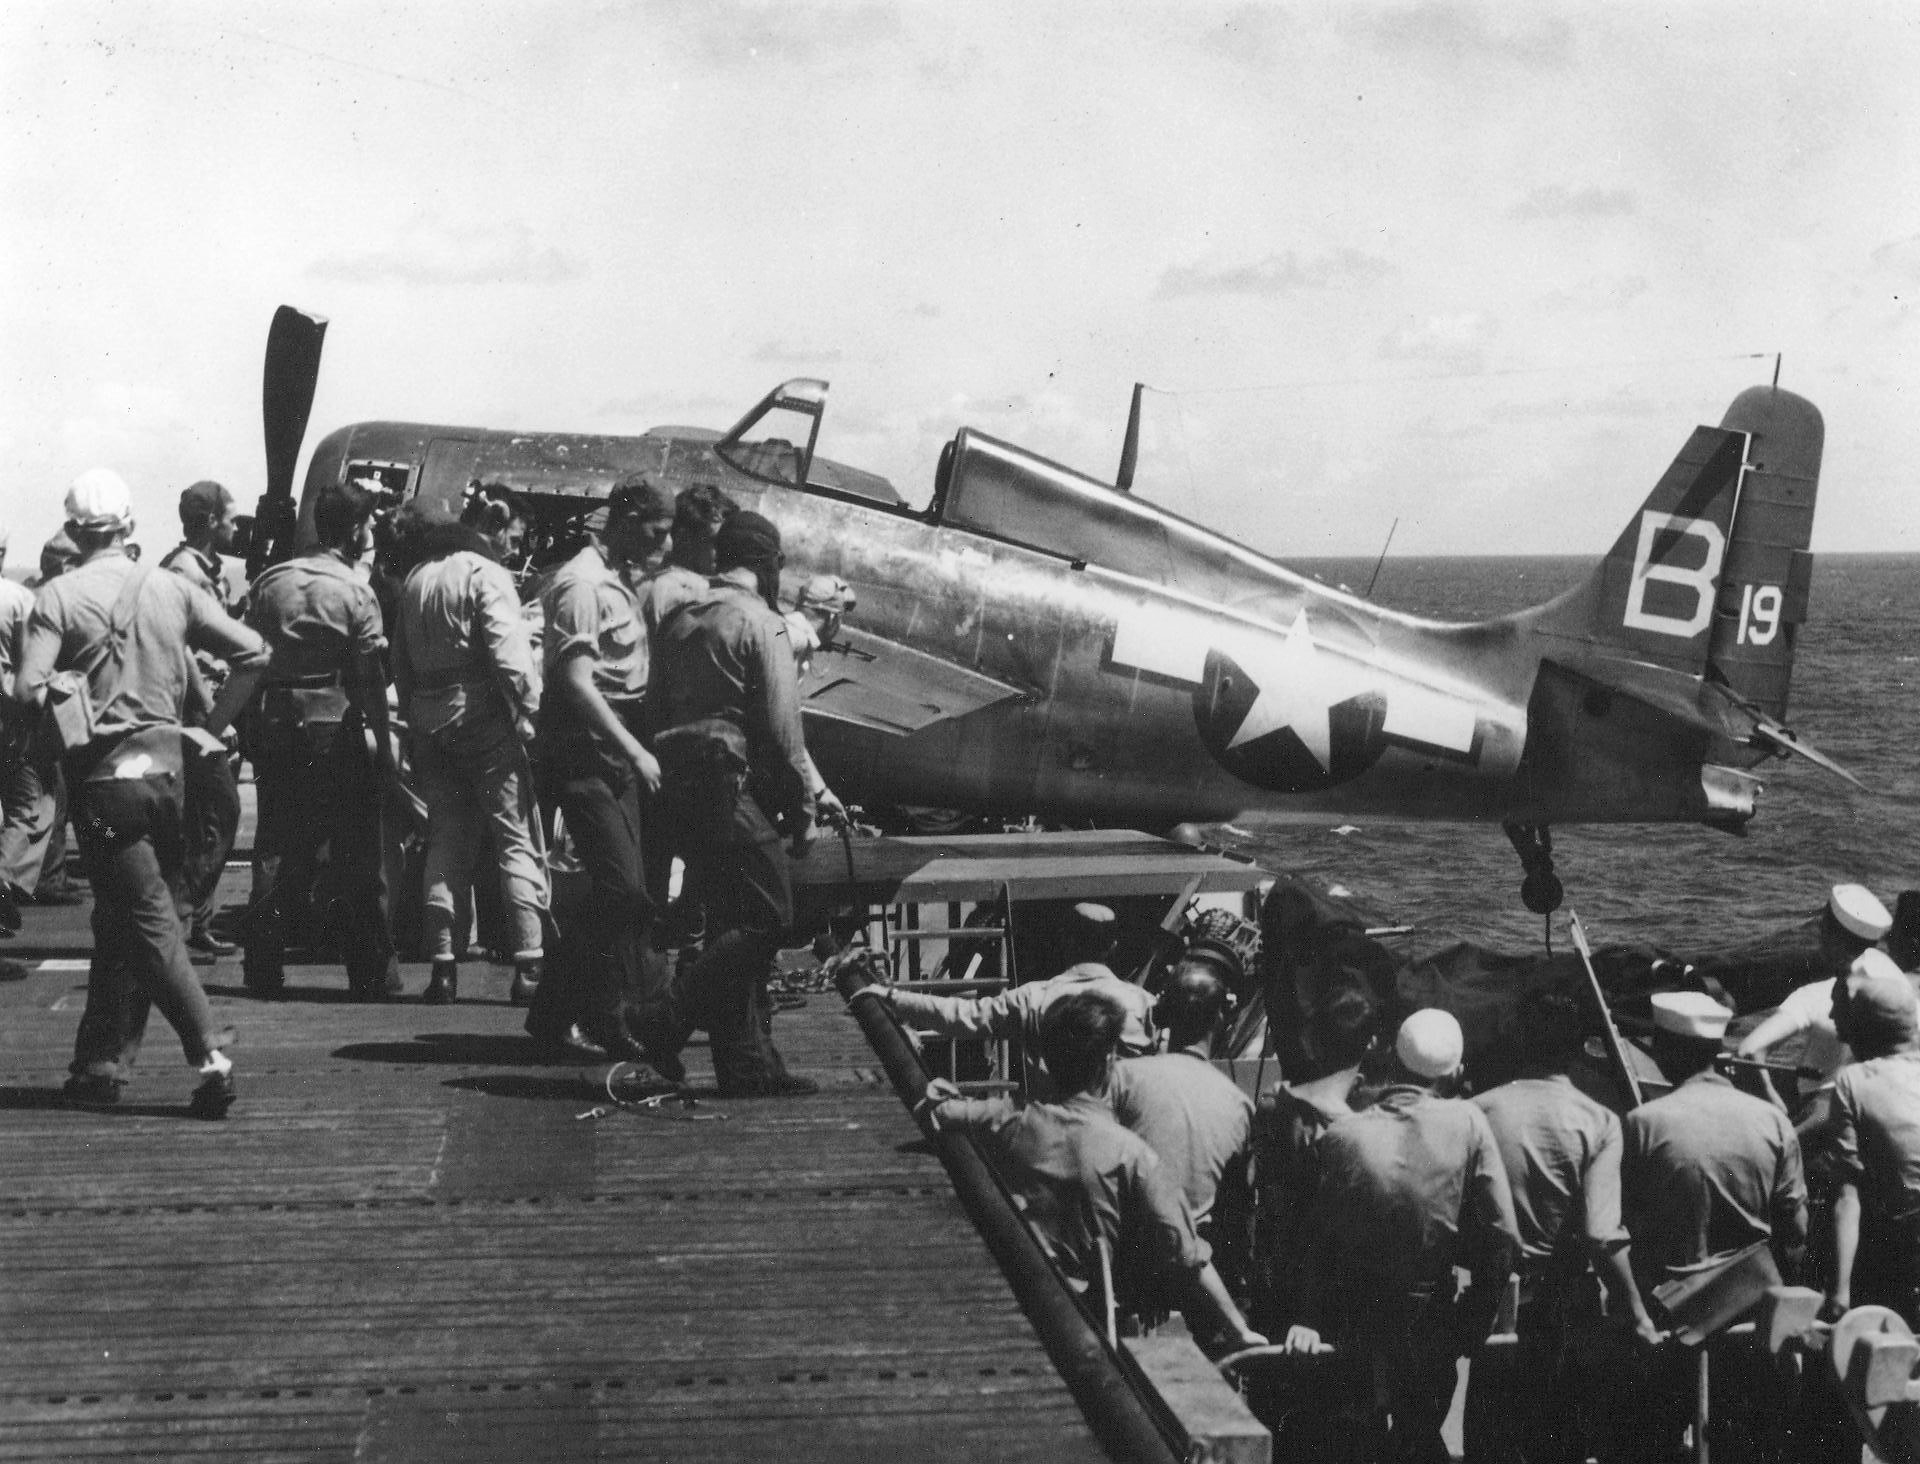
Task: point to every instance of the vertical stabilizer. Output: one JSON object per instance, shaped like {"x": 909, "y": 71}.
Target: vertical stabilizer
{"x": 1710, "y": 577}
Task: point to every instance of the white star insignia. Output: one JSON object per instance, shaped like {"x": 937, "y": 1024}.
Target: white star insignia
{"x": 1298, "y": 686}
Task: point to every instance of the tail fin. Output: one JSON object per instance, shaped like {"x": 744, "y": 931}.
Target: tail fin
{"x": 1710, "y": 578}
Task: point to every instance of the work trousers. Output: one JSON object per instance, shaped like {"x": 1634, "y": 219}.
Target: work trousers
{"x": 595, "y": 966}
{"x": 212, "y": 819}
{"x": 475, "y": 779}
{"x": 330, "y": 803}
{"x": 30, "y": 817}
{"x": 739, "y": 871}
{"x": 131, "y": 841}
{"x": 1405, "y": 1349}
{"x": 1527, "y": 1401}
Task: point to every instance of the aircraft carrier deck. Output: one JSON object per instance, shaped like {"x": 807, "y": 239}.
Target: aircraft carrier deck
{"x": 407, "y": 1243}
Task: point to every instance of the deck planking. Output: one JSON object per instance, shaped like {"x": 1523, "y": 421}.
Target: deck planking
{"x": 404, "y": 1244}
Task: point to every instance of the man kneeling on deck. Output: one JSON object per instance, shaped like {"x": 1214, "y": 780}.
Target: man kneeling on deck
{"x": 1081, "y": 1179}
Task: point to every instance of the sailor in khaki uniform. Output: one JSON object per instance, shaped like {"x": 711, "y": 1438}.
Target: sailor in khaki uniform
{"x": 319, "y": 746}
{"x": 126, "y": 633}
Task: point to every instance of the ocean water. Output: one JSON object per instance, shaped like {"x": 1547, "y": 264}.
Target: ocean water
{"x": 1690, "y": 889}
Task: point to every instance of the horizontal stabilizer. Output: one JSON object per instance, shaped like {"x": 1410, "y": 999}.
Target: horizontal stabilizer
{"x": 868, "y": 681}
{"x": 1772, "y": 735}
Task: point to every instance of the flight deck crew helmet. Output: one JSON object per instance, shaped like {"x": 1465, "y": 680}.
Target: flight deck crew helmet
{"x": 98, "y": 501}
{"x": 748, "y": 541}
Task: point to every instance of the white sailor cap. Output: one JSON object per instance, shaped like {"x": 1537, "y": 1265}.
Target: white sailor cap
{"x": 1856, "y": 911}
{"x": 1430, "y": 1044}
{"x": 99, "y": 499}
{"x": 1871, "y": 964}
{"x": 1690, "y": 1014}
{"x": 1096, "y": 918}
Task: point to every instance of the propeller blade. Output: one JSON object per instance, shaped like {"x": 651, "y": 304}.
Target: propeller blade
{"x": 1130, "y": 448}
{"x": 286, "y": 394}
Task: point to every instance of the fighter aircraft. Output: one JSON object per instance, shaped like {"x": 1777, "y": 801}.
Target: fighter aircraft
{"x": 1038, "y": 641}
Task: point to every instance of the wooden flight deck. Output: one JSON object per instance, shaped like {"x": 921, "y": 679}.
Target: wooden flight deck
{"x": 406, "y": 1243}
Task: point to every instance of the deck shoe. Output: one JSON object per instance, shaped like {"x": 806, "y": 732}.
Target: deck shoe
{"x": 92, "y": 1090}
{"x": 213, "y": 1097}
{"x": 526, "y": 981}
{"x": 443, "y": 987}
{"x": 203, "y": 942}
{"x": 571, "y": 1045}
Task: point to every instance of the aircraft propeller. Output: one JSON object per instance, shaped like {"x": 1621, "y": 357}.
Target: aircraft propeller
{"x": 286, "y": 398}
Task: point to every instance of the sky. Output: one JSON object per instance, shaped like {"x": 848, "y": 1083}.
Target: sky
{"x": 1474, "y": 271}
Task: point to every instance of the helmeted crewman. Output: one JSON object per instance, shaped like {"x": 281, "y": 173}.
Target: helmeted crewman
{"x": 126, "y": 634}
{"x": 726, "y": 708}
{"x": 318, "y": 740}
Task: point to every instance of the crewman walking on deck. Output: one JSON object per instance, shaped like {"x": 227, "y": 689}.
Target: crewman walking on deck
{"x": 1410, "y": 1189}
{"x": 123, "y": 636}
{"x": 1561, "y": 1151}
{"x": 463, "y": 663}
{"x": 208, "y": 527}
{"x": 1706, "y": 1173}
{"x": 319, "y": 743}
{"x": 594, "y": 769}
{"x": 727, "y": 708}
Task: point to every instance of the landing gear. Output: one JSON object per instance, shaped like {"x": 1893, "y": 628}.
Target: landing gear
{"x": 1541, "y": 890}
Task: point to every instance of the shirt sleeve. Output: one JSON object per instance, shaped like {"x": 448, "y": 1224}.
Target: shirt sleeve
{"x": 1158, "y": 1227}
{"x": 781, "y": 693}
{"x": 39, "y": 653}
{"x": 210, "y": 628}
{"x": 961, "y": 1016}
{"x": 1489, "y": 1234}
{"x": 573, "y": 620}
{"x": 504, "y": 630}
{"x": 1789, "y": 1189}
{"x": 1843, "y": 1139}
{"x": 1601, "y": 1185}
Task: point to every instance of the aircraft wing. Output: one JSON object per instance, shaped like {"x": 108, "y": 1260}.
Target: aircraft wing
{"x": 872, "y": 682}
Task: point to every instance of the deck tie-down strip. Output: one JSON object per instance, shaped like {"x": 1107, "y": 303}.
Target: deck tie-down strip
{"x": 454, "y": 1202}
{"x": 556, "y": 1387}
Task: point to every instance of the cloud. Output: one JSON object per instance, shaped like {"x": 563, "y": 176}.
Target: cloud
{"x": 743, "y": 34}
{"x": 1464, "y": 32}
{"x": 1456, "y": 341}
{"x": 432, "y": 254}
{"x": 1250, "y": 34}
{"x": 1901, "y": 258}
{"x": 1555, "y": 202}
{"x": 1277, "y": 274}
{"x": 1598, "y": 292}
{"x": 779, "y": 353}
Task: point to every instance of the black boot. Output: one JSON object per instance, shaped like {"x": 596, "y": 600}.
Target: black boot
{"x": 526, "y": 980}
{"x": 443, "y": 988}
